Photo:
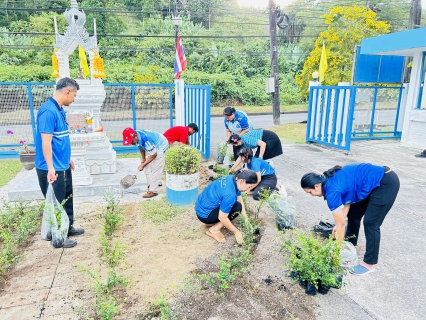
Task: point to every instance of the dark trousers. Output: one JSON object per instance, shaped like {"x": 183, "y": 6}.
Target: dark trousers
{"x": 374, "y": 209}
{"x": 214, "y": 215}
{"x": 268, "y": 182}
{"x": 62, "y": 188}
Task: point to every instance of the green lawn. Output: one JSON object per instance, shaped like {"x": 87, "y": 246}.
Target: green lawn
{"x": 8, "y": 170}
{"x": 290, "y": 132}
{"x": 260, "y": 109}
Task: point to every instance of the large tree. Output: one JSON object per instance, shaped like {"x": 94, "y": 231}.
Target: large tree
{"x": 347, "y": 26}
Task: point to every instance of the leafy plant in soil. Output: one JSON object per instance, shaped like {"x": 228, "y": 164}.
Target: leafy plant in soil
{"x": 159, "y": 309}
{"x": 236, "y": 262}
{"x": 17, "y": 222}
{"x": 112, "y": 255}
{"x": 313, "y": 261}
{"x": 263, "y": 197}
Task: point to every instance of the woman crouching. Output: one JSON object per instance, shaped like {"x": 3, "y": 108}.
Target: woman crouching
{"x": 266, "y": 177}
{"x": 221, "y": 202}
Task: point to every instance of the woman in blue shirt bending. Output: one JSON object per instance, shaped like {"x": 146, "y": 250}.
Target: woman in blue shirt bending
{"x": 221, "y": 202}
{"x": 267, "y": 142}
{"x": 353, "y": 192}
{"x": 266, "y": 177}
{"x": 236, "y": 122}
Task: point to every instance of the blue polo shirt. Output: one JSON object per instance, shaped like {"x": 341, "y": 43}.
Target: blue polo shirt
{"x": 352, "y": 184}
{"x": 241, "y": 122}
{"x": 51, "y": 119}
{"x": 152, "y": 142}
{"x": 222, "y": 193}
{"x": 251, "y": 138}
{"x": 260, "y": 165}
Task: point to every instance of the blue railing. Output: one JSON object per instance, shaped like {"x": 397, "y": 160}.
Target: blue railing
{"x": 141, "y": 106}
{"x": 339, "y": 114}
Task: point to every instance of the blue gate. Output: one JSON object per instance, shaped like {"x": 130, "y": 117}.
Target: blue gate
{"x": 197, "y": 110}
{"x": 339, "y": 114}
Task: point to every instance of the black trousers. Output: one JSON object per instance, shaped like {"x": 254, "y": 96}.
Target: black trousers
{"x": 62, "y": 187}
{"x": 374, "y": 209}
{"x": 268, "y": 182}
{"x": 214, "y": 215}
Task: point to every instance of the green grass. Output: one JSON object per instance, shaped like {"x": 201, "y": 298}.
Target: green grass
{"x": 160, "y": 211}
{"x": 128, "y": 155}
{"x": 8, "y": 170}
{"x": 290, "y": 132}
{"x": 260, "y": 109}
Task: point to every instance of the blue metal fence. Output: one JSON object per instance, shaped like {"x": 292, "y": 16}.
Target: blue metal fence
{"x": 197, "y": 110}
{"x": 147, "y": 106}
{"x": 339, "y": 114}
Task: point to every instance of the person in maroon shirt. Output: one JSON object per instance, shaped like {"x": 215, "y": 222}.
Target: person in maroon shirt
{"x": 180, "y": 134}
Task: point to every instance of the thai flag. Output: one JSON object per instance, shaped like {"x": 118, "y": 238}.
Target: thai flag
{"x": 180, "y": 60}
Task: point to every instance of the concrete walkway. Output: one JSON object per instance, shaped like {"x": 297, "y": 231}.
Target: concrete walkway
{"x": 397, "y": 289}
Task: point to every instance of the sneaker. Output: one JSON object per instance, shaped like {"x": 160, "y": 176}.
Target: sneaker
{"x": 68, "y": 243}
{"x": 421, "y": 154}
{"x": 75, "y": 231}
{"x": 149, "y": 194}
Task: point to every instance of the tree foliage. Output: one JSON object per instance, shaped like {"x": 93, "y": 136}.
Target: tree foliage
{"x": 347, "y": 26}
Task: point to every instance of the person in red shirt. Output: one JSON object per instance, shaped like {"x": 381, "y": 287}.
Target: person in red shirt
{"x": 180, "y": 134}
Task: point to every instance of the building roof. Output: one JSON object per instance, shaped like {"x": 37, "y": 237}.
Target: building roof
{"x": 403, "y": 43}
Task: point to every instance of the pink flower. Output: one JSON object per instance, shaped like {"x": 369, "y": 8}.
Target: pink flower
{"x": 9, "y": 132}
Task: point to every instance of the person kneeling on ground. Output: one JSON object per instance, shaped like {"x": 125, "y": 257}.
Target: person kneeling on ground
{"x": 156, "y": 145}
{"x": 353, "y": 192}
{"x": 267, "y": 142}
{"x": 221, "y": 202}
{"x": 266, "y": 177}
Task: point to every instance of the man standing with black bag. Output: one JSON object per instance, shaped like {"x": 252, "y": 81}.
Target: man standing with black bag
{"x": 53, "y": 150}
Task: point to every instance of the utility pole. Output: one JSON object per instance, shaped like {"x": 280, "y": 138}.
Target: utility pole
{"x": 413, "y": 23}
{"x": 274, "y": 62}
{"x": 415, "y": 14}
{"x": 176, "y": 22}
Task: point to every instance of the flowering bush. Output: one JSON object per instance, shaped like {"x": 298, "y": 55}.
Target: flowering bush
{"x": 24, "y": 148}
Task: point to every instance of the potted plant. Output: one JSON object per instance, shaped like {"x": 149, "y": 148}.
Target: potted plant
{"x": 26, "y": 153}
{"x": 222, "y": 147}
{"x": 313, "y": 261}
{"x": 182, "y": 163}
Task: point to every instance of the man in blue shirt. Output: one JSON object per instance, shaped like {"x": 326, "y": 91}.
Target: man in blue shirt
{"x": 155, "y": 144}
{"x": 53, "y": 150}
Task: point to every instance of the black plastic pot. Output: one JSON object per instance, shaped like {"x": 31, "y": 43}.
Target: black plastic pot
{"x": 303, "y": 283}
{"x": 339, "y": 281}
{"x": 311, "y": 289}
{"x": 322, "y": 288}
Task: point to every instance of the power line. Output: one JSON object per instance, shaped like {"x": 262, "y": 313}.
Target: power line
{"x": 172, "y": 50}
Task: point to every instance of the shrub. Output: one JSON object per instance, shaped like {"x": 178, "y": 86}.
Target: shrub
{"x": 312, "y": 258}
{"x": 182, "y": 159}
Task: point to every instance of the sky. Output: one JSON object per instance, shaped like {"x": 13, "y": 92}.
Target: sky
{"x": 264, "y": 3}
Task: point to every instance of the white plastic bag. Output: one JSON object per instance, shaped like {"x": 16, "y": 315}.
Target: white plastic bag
{"x": 49, "y": 225}
{"x": 284, "y": 209}
{"x": 348, "y": 255}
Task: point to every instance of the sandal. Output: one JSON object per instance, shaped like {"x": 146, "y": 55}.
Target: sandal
{"x": 361, "y": 270}
{"x": 218, "y": 236}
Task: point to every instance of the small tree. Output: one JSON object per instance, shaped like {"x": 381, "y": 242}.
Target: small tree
{"x": 182, "y": 160}
{"x": 347, "y": 26}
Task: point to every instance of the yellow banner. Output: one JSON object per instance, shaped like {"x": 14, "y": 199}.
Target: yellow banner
{"x": 83, "y": 61}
